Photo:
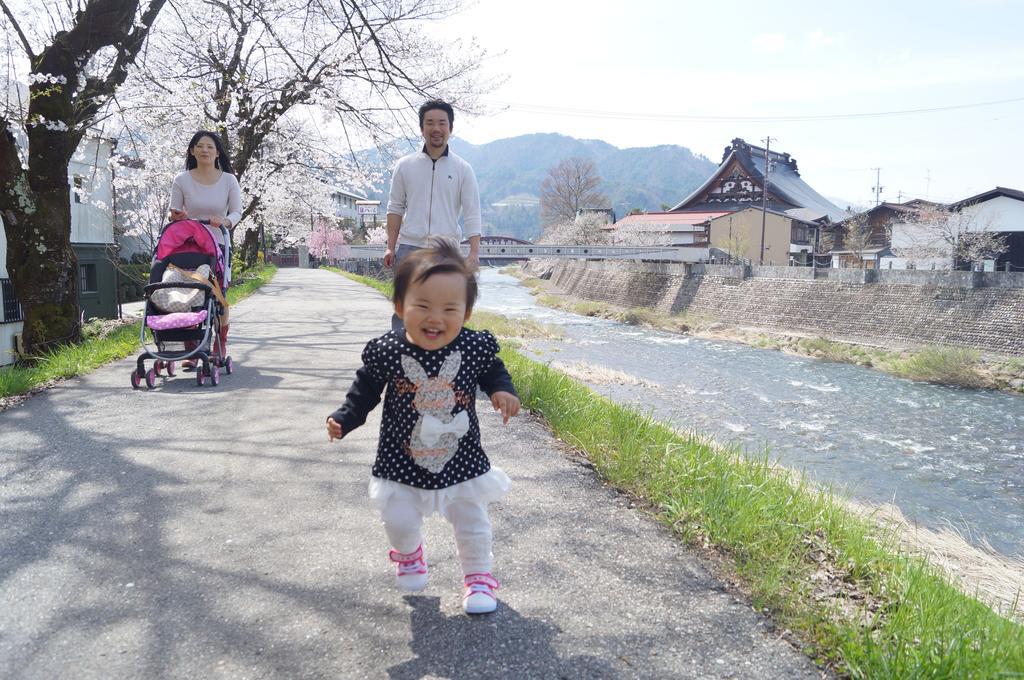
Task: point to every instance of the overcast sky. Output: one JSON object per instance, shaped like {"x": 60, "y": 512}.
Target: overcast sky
{"x": 637, "y": 73}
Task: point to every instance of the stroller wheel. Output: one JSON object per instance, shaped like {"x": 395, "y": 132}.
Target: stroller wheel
{"x": 200, "y": 378}
{"x": 215, "y": 375}
{"x": 170, "y": 368}
{"x": 228, "y": 365}
{"x": 157, "y": 366}
{"x": 136, "y": 380}
{"x": 151, "y": 378}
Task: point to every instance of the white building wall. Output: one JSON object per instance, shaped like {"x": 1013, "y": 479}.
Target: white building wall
{"x": 1002, "y": 213}
{"x": 345, "y": 205}
{"x": 7, "y": 330}
{"x": 908, "y": 238}
{"x": 91, "y": 209}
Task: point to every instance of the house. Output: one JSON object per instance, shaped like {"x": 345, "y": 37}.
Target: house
{"x": 662, "y": 228}
{"x": 1000, "y": 210}
{"x": 919, "y": 246}
{"x": 872, "y": 247}
{"x": 346, "y": 204}
{"x": 788, "y": 238}
{"x": 606, "y": 214}
{"x": 739, "y": 182}
{"x": 92, "y": 239}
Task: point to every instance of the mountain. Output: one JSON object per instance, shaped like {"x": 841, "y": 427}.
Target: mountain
{"x": 510, "y": 172}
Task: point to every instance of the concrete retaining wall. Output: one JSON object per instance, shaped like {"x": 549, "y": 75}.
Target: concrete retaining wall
{"x": 894, "y": 308}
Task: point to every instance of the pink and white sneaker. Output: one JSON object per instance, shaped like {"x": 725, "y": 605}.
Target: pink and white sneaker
{"x": 479, "y": 597}
{"x": 410, "y": 569}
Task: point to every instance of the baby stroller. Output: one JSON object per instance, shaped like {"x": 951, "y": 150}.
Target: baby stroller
{"x": 185, "y": 303}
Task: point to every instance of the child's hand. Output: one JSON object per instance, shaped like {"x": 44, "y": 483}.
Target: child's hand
{"x": 333, "y": 430}
{"x": 507, "y": 403}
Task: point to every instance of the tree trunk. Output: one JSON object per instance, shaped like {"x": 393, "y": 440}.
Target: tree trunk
{"x": 250, "y": 247}
{"x": 43, "y": 269}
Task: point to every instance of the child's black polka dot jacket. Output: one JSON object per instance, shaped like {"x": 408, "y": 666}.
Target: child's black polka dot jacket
{"x": 429, "y": 434}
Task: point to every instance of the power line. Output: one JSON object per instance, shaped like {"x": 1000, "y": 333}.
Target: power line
{"x": 674, "y": 117}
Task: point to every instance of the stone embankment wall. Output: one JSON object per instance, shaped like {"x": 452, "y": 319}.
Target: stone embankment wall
{"x": 980, "y": 310}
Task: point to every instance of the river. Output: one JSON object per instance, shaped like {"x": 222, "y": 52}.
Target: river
{"x": 949, "y": 458}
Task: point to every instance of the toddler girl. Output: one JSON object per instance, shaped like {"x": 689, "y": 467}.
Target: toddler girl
{"x": 429, "y": 457}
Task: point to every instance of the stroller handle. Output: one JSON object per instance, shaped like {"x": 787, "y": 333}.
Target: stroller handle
{"x": 184, "y": 284}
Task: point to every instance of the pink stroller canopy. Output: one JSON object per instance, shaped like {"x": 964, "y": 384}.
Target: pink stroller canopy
{"x": 190, "y": 236}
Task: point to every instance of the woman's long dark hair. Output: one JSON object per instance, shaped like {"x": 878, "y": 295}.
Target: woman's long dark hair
{"x": 222, "y": 161}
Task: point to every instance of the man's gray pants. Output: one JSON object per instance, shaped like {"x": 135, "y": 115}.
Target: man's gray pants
{"x": 403, "y": 250}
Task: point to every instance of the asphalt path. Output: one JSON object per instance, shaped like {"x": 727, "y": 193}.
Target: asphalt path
{"x": 213, "y": 532}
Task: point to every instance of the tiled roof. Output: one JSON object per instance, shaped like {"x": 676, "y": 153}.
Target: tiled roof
{"x": 989, "y": 195}
{"x": 785, "y": 182}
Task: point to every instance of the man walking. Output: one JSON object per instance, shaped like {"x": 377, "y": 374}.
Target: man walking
{"x": 429, "y": 190}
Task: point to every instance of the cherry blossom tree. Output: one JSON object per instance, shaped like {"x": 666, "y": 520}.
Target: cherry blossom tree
{"x": 377, "y": 236}
{"x": 587, "y": 229}
{"x": 70, "y": 58}
{"x": 301, "y": 83}
{"x": 948, "y": 237}
{"x": 328, "y": 241}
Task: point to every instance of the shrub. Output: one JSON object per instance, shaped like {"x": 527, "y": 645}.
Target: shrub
{"x": 947, "y": 365}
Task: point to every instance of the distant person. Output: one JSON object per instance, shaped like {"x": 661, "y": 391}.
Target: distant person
{"x": 429, "y": 190}
{"x": 429, "y": 457}
{"x": 207, "y": 190}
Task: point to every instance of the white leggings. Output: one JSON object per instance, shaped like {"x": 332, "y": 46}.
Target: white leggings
{"x": 403, "y": 522}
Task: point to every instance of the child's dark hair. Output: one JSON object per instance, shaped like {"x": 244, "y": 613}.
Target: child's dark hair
{"x": 442, "y": 256}
{"x": 438, "y": 104}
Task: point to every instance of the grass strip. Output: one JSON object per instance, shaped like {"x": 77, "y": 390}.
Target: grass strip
{"x": 93, "y": 352}
{"x": 860, "y": 605}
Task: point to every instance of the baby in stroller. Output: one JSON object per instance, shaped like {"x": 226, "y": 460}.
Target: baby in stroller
{"x": 185, "y": 303}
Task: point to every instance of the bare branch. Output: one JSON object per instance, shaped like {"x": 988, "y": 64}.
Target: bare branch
{"x": 17, "y": 29}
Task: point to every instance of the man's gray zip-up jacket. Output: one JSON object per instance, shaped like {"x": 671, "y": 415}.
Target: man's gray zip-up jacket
{"x": 429, "y": 195}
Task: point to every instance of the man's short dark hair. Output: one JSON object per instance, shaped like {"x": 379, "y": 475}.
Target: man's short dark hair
{"x": 438, "y": 104}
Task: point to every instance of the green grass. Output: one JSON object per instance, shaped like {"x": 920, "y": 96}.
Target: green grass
{"x": 945, "y": 365}
{"x": 383, "y": 286}
{"x": 859, "y": 604}
{"x": 101, "y": 347}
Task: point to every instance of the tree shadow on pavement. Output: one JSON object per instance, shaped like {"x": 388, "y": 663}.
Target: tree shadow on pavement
{"x": 504, "y": 644}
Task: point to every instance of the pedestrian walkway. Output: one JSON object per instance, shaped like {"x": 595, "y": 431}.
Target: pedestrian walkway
{"x": 213, "y": 532}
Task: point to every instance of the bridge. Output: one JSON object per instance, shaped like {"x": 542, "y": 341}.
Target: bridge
{"x": 528, "y": 251}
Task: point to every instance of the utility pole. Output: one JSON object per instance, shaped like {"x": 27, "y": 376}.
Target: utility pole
{"x": 878, "y": 185}
{"x": 764, "y": 197}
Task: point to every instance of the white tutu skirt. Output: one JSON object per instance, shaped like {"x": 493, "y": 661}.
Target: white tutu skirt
{"x": 487, "y": 488}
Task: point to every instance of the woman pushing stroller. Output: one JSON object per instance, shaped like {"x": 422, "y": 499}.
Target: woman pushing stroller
{"x": 207, "y": 191}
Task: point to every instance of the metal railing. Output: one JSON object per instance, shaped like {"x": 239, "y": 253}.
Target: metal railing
{"x": 574, "y": 252}
{"x": 12, "y": 308}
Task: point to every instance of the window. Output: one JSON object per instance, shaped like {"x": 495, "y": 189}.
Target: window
{"x": 12, "y": 310}
{"x": 87, "y": 278}
{"x": 79, "y": 184}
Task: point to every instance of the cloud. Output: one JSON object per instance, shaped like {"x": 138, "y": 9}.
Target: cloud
{"x": 769, "y": 43}
{"x": 817, "y": 39}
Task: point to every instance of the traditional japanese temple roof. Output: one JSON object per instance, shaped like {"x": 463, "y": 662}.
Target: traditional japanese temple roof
{"x": 738, "y": 182}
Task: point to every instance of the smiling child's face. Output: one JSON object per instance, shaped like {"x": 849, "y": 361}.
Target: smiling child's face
{"x": 434, "y": 310}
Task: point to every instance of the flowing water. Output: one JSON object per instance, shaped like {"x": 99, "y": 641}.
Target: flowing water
{"x": 948, "y": 457}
